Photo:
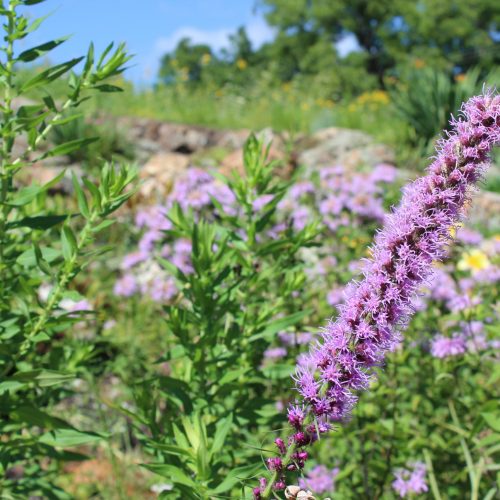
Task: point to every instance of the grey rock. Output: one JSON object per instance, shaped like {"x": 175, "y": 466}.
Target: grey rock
{"x": 350, "y": 148}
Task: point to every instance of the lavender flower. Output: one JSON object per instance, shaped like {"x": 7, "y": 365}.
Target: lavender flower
{"x": 444, "y": 347}
{"x": 293, "y": 338}
{"x": 469, "y": 236}
{"x": 260, "y": 202}
{"x": 154, "y": 217}
{"x": 132, "y": 259}
{"x": 384, "y": 172}
{"x": 126, "y": 286}
{"x": 410, "y": 481}
{"x": 275, "y": 353}
{"x": 320, "y": 479}
{"x": 161, "y": 289}
{"x": 148, "y": 240}
{"x": 379, "y": 306}
{"x": 335, "y": 296}
{"x": 300, "y": 189}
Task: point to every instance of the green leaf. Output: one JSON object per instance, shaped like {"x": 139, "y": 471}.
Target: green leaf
{"x": 82, "y": 200}
{"x": 69, "y": 244}
{"x": 493, "y": 420}
{"x": 28, "y": 194}
{"x": 35, "y": 416}
{"x": 106, "y": 87}
{"x": 280, "y": 324}
{"x": 171, "y": 472}
{"x": 41, "y": 262}
{"x": 222, "y": 429}
{"x": 38, "y": 51}
{"x": 41, "y": 378}
{"x": 49, "y": 75}
{"x": 70, "y": 146}
{"x": 171, "y": 449}
{"x": 48, "y": 378}
{"x": 235, "y": 476}
{"x": 67, "y": 119}
{"x": 39, "y": 222}
{"x": 28, "y": 258}
{"x": 65, "y": 438}
{"x": 231, "y": 375}
{"x": 89, "y": 60}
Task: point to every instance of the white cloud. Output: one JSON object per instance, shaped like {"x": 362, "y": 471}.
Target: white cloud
{"x": 258, "y": 32}
{"x": 217, "y": 39}
{"x": 257, "y": 29}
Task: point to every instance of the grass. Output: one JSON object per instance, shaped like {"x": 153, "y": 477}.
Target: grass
{"x": 280, "y": 109}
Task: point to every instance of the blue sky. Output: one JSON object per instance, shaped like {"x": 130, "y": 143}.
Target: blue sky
{"x": 149, "y": 27}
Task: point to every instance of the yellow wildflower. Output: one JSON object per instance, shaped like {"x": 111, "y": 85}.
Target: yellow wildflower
{"x": 241, "y": 64}
{"x": 474, "y": 261}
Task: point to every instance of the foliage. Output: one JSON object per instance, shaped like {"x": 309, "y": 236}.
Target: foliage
{"x": 406, "y": 417}
{"x": 179, "y": 356}
{"x": 39, "y": 248}
{"x": 429, "y": 98}
{"x": 445, "y": 34}
{"x": 390, "y": 36}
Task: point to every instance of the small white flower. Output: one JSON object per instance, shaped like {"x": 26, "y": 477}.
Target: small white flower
{"x": 160, "y": 487}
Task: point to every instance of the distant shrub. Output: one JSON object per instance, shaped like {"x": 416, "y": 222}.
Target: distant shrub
{"x": 426, "y": 99}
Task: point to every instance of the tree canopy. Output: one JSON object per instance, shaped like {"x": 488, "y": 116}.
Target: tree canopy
{"x": 392, "y": 36}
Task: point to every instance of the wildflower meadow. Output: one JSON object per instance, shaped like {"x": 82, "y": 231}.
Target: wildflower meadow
{"x": 309, "y": 311}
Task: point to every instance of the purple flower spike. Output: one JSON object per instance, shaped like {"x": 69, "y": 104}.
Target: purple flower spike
{"x": 415, "y": 235}
{"x": 379, "y": 306}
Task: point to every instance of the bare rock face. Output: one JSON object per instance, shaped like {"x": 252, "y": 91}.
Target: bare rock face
{"x": 152, "y": 136}
{"x": 346, "y": 147}
{"x": 230, "y": 139}
{"x": 160, "y": 172}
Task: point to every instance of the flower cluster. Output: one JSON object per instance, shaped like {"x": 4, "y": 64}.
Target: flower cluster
{"x": 195, "y": 191}
{"x": 410, "y": 481}
{"x": 341, "y": 197}
{"x": 415, "y": 235}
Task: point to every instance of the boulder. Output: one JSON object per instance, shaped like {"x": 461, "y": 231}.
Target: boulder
{"x": 350, "y": 148}
{"x": 160, "y": 172}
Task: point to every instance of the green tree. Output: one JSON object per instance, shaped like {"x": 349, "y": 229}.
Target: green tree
{"x": 454, "y": 35}
{"x": 241, "y": 46}
{"x": 185, "y": 63}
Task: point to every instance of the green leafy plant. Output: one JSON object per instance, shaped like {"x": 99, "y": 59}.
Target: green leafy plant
{"x": 39, "y": 248}
{"x": 230, "y": 309}
{"x": 427, "y": 98}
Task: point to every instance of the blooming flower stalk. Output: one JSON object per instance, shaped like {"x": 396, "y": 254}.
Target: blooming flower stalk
{"x": 379, "y": 306}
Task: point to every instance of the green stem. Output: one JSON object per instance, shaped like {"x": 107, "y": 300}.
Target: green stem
{"x": 7, "y": 141}
{"x": 63, "y": 280}
{"x": 286, "y": 460}
{"x": 432, "y": 476}
{"x": 471, "y": 468}
{"x": 45, "y": 132}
